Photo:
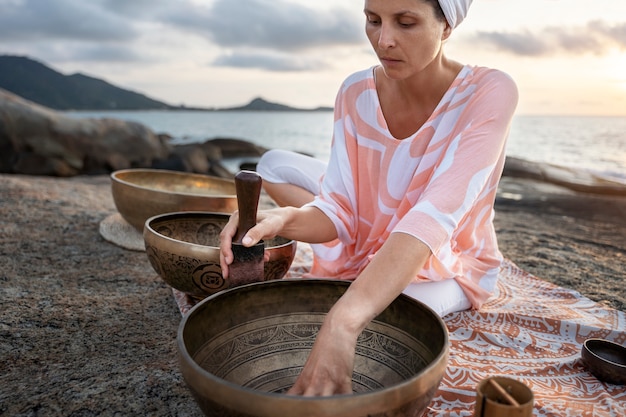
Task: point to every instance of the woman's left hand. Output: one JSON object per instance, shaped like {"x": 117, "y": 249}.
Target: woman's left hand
{"x": 328, "y": 369}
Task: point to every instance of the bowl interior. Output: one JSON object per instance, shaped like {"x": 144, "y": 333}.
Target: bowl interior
{"x": 199, "y": 228}
{"x": 607, "y": 351}
{"x": 174, "y": 182}
{"x": 140, "y": 194}
{"x": 258, "y": 337}
{"x": 605, "y": 359}
{"x": 273, "y": 367}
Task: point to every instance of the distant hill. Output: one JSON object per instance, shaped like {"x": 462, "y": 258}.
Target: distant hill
{"x": 259, "y": 104}
{"x": 38, "y": 83}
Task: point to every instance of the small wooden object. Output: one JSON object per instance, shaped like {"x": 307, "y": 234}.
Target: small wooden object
{"x": 504, "y": 393}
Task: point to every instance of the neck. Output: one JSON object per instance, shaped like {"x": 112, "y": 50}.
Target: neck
{"x": 407, "y": 103}
{"x": 427, "y": 87}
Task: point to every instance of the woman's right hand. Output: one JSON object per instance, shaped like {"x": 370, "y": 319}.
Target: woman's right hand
{"x": 269, "y": 224}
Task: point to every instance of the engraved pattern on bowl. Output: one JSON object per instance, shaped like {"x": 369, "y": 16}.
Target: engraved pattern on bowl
{"x": 250, "y": 343}
{"x": 183, "y": 249}
{"x": 387, "y": 355}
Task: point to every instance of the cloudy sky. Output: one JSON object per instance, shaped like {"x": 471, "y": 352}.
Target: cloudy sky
{"x": 567, "y": 56}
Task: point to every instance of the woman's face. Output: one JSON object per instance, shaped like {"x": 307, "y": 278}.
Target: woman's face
{"x": 405, "y": 34}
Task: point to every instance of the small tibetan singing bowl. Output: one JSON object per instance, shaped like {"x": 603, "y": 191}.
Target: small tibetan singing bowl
{"x": 605, "y": 360}
{"x": 242, "y": 349}
{"x": 142, "y": 193}
{"x": 183, "y": 248}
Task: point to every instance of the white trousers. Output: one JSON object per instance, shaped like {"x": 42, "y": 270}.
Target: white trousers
{"x": 285, "y": 167}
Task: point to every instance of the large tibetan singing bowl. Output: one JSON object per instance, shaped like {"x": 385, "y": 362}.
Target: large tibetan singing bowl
{"x": 183, "y": 248}
{"x": 242, "y": 349}
{"x": 142, "y": 193}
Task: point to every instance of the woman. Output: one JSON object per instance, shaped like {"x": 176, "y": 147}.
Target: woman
{"x": 406, "y": 201}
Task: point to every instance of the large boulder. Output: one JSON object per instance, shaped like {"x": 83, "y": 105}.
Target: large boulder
{"x": 233, "y": 148}
{"x": 575, "y": 179}
{"x": 38, "y": 141}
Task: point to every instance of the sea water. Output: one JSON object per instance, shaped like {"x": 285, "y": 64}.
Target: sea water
{"x": 596, "y": 144}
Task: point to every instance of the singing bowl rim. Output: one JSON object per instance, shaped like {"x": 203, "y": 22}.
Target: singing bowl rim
{"x": 117, "y": 176}
{"x": 593, "y": 354}
{"x": 138, "y": 202}
{"x": 149, "y": 230}
{"x": 268, "y": 404}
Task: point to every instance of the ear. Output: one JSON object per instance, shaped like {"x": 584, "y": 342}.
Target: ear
{"x": 447, "y": 31}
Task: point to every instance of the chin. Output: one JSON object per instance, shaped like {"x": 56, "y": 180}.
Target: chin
{"x": 394, "y": 74}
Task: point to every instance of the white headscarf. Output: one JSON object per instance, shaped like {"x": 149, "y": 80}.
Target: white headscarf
{"x": 455, "y": 10}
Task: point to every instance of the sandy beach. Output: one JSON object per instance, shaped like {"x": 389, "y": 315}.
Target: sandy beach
{"x": 89, "y": 329}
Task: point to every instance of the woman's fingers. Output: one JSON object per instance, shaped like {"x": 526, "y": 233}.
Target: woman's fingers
{"x": 226, "y": 238}
{"x": 264, "y": 229}
{"x": 328, "y": 369}
{"x": 323, "y": 388}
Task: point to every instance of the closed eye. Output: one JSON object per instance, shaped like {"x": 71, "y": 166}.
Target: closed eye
{"x": 404, "y": 20}
{"x": 372, "y": 19}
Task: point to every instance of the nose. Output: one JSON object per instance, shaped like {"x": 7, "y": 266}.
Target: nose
{"x": 386, "y": 36}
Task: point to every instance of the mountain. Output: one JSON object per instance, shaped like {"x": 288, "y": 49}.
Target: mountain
{"x": 36, "y": 82}
{"x": 259, "y": 104}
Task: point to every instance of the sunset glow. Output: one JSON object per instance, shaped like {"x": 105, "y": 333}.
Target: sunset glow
{"x": 567, "y": 57}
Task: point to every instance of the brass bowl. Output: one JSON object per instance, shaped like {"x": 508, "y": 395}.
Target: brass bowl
{"x": 241, "y": 349}
{"x": 142, "y": 193}
{"x": 605, "y": 360}
{"x": 183, "y": 248}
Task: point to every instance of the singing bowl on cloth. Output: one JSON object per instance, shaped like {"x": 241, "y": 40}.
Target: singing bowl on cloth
{"x": 606, "y": 360}
{"x": 183, "y": 248}
{"x": 140, "y": 193}
{"x": 243, "y": 348}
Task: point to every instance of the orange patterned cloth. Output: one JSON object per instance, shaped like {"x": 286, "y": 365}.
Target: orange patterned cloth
{"x": 530, "y": 330}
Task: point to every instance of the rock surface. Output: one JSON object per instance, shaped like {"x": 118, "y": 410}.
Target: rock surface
{"x": 88, "y": 329}
{"x": 576, "y": 180}
{"x": 38, "y": 141}
{"x": 35, "y": 140}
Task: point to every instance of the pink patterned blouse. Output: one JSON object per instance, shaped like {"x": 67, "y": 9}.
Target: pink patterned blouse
{"x": 438, "y": 185}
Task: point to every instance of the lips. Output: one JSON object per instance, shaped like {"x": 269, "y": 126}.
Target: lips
{"x": 388, "y": 59}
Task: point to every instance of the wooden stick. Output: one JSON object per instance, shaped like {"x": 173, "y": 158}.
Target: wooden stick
{"x": 503, "y": 392}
